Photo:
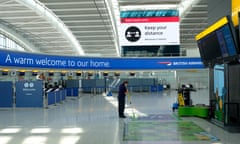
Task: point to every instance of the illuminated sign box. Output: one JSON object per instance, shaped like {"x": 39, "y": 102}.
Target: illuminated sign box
{"x": 149, "y": 27}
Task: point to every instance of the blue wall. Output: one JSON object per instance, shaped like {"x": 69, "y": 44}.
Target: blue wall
{"x": 6, "y": 94}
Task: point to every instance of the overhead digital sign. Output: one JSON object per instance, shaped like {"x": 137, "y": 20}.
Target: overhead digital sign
{"x": 149, "y": 27}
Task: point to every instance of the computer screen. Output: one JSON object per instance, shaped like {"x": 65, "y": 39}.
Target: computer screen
{"x": 21, "y": 73}
{"x": 4, "y": 72}
{"x": 105, "y": 74}
{"x": 79, "y": 74}
{"x": 50, "y": 74}
{"x": 34, "y": 73}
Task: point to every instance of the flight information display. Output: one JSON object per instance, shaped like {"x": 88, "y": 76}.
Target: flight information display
{"x": 218, "y": 43}
{"x": 226, "y": 42}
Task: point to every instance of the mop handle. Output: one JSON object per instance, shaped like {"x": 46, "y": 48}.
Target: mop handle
{"x": 129, "y": 98}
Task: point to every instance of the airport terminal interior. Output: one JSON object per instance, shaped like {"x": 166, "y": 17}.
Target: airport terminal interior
{"x": 64, "y": 62}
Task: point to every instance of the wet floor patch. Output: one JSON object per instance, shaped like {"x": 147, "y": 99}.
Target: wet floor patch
{"x": 165, "y": 131}
{"x": 156, "y": 117}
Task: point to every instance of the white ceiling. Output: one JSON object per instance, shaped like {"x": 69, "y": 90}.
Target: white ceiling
{"x": 90, "y": 24}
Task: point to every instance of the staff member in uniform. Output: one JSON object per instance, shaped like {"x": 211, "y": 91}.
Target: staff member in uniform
{"x": 122, "y": 91}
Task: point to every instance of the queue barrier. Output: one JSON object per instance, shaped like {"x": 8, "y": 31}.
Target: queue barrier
{"x": 147, "y": 88}
{"x": 156, "y": 88}
{"x": 133, "y": 88}
{"x": 73, "y": 92}
{"x": 86, "y": 89}
{"x": 51, "y": 98}
{"x": 55, "y": 97}
{"x": 93, "y": 90}
{"x": 142, "y": 88}
{"x": 99, "y": 89}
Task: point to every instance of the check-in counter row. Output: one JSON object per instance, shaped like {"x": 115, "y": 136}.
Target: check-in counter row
{"x": 31, "y": 94}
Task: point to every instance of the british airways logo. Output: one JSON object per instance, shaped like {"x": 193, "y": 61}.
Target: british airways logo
{"x": 180, "y": 63}
{"x": 166, "y": 63}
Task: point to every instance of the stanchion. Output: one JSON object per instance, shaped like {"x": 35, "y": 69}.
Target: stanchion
{"x": 45, "y": 97}
{"x": 55, "y": 96}
{"x": 60, "y": 93}
{"x": 45, "y": 100}
{"x": 14, "y": 94}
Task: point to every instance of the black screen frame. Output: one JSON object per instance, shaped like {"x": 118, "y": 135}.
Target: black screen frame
{"x": 211, "y": 56}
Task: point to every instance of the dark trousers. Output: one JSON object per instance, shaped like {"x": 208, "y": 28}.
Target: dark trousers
{"x": 121, "y": 105}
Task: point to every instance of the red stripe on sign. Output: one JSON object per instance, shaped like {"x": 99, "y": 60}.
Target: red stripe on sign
{"x": 150, "y": 20}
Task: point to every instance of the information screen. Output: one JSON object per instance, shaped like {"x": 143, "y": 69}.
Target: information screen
{"x": 217, "y": 43}
{"x": 226, "y": 41}
{"x": 210, "y": 47}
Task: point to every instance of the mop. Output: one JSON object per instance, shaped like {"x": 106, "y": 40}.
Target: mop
{"x": 132, "y": 107}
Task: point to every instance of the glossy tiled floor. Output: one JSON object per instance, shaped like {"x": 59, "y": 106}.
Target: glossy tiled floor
{"x": 94, "y": 120}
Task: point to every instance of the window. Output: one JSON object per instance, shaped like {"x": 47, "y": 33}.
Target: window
{"x": 8, "y": 43}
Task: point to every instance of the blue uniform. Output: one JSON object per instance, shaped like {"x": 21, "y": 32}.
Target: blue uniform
{"x": 121, "y": 99}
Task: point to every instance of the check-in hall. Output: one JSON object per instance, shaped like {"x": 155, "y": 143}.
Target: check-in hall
{"x": 119, "y": 72}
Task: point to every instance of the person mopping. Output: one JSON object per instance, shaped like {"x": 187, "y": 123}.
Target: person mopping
{"x": 122, "y": 92}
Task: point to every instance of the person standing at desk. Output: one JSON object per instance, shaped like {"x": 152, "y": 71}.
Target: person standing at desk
{"x": 122, "y": 91}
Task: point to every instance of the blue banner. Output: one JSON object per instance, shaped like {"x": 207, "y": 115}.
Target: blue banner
{"x": 31, "y": 60}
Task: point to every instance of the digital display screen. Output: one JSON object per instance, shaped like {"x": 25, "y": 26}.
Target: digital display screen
{"x": 226, "y": 41}
{"x": 90, "y": 74}
{"x": 50, "y": 74}
{"x": 34, "y": 73}
{"x": 210, "y": 47}
{"x": 78, "y": 74}
{"x": 105, "y": 74}
{"x": 63, "y": 74}
{"x": 4, "y": 72}
{"x": 217, "y": 44}
{"x": 21, "y": 73}
{"x": 132, "y": 74}
{"x": 149, "y": 27}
